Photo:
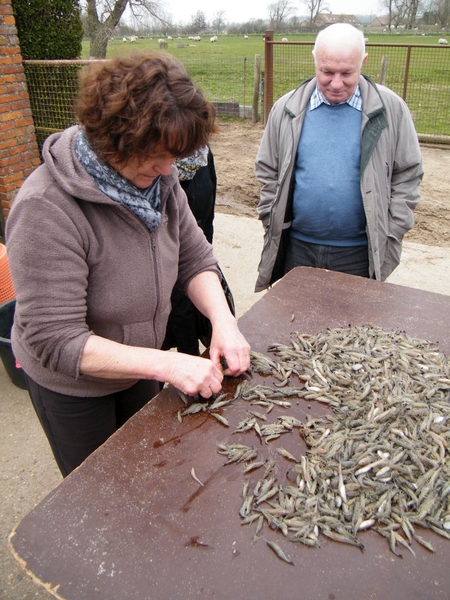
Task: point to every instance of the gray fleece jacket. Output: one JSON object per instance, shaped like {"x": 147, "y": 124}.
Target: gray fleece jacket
{"x": 82, "y": 264}
{"x": 391, "y": 171}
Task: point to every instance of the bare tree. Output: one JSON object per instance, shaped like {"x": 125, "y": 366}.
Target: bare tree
{"x": 278, "y": 13}
{"x": 411, "y": 13}
{"x": 219, "y": 21}
{"x": 443, "y": 12}
{"x": 314, "y": 8}
{"x": 402, "y": 12}
{"x": 429, "y": 9}
{"x": 198, "y": 22}
{"x": 103, "y": 16}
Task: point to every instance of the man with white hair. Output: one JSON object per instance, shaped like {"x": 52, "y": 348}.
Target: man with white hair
{"x": 340, "y": 167}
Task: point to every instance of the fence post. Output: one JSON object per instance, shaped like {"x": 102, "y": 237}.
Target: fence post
{"x": 405, "y": 82}
{"x": 383, "y": 70}
{"x": 256, "y": 80}
{"x": 268, "y": 78}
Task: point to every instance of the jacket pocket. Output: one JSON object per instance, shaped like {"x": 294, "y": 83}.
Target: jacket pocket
{"x": 392, "y": 256}
{"x": 141, "y": 333}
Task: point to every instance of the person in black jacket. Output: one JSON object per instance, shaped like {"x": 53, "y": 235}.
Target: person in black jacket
{"x": 197, "y": 176}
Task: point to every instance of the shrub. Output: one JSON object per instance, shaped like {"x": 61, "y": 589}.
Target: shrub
{"x": 48, "y": 29}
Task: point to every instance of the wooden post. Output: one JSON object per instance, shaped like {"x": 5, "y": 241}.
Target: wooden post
{"x": 405, "y": 80}
{"x": 261, "y": 93}
{"x": 268, "y": 79}
{"x": 383, "y": 72}
{"x": 256, "y": 81}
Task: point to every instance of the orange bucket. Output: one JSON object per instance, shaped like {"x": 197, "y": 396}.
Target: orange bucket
{"x": 7, "y": 291}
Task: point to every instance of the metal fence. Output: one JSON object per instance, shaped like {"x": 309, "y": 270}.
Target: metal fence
{"x": 53, "y": 87}
{"x": 420, "y": 74}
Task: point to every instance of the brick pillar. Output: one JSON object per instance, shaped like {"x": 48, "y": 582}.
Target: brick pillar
{"x": 19, "y": 153}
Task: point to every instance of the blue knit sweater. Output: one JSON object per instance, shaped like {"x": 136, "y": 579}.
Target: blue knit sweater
{"x": 327, "y": 202}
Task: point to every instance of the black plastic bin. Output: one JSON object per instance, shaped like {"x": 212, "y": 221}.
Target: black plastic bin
{"x": 6, "y": 354}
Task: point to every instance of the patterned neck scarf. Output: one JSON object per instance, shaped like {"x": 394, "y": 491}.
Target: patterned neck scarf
{"x": 145, "y": 203}
{"x": 188, "y": 167}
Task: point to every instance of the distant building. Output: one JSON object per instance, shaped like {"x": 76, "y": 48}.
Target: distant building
{"x": 382, "y": 23}
{"x": 324, "y": 19}
{"x": 379, "y": 22}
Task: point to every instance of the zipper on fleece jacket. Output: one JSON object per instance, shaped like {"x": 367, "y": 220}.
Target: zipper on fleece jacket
{"x": 154, "y": 248}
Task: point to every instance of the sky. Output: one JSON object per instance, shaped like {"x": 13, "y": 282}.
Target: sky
{"x": 240, "y": 11}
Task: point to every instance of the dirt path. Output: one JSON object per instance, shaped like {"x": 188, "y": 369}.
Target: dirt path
{"x": 235, "y": 149}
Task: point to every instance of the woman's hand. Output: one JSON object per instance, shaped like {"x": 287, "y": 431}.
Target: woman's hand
{"x": 229, "y": 349}
{"x": 190, "y": 374}
{"x": 194, "y": 375}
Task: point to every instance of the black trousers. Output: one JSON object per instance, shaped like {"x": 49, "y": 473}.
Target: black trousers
{"x": 76, "y": 426}
{"x": 181, "y": 331}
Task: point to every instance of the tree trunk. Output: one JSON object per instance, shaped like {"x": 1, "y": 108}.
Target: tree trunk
{"x": 100, "y": 32}
{"x": 98, "y": 44}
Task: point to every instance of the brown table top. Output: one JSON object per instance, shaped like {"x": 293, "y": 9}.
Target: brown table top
{"x": 132, "y": 523}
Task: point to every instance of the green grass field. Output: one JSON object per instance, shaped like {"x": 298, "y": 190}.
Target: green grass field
{"x": 225, "y": 69}
{"x": 234, "y": 46}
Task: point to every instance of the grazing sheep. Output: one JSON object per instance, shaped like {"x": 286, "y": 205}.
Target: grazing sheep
{"x": 284, "y": 40}
{"x": 197, "y": 38}
{"x": 169, "y": 37}
{"x": 245, "y": 37}
{"x": 213, "y": 38}
{"x": 443, "y": 41}
{"x": 124, "y": 39}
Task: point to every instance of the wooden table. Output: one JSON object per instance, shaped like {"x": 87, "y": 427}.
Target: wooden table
{"x": 132, "y": 523}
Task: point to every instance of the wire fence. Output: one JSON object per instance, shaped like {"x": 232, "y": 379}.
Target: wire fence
{"x": 53, "y": 88}
{"x": 420, "y": 74}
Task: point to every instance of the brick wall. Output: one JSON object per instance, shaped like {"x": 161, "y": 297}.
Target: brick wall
{"x": 19, "y": 154}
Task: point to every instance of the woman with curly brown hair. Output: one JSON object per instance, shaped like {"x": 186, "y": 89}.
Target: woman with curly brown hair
{"x": 98, "y": 236}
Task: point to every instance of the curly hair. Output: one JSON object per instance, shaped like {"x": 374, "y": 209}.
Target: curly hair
{"x": 135, "y": 105}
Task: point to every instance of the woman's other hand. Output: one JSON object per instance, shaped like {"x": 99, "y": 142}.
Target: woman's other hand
{"x": 228, "y": 345}
{"x": 229, "y": 349}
